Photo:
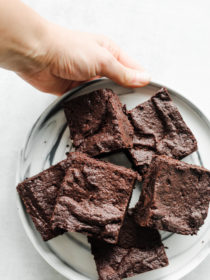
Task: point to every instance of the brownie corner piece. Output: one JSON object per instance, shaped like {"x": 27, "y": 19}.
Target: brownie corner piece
{"x": 138, "y": 250}
{"x": 93, "y": 198}
{"x": 159, "y": 129}
{"x": 97, "y": 123}
{"x": 39, "y": 193}
{"x": 175, "y": 196}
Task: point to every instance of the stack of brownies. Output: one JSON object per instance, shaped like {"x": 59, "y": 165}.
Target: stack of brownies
{"x": 87, "y": 195}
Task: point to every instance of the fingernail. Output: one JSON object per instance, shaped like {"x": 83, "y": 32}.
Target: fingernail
{"x": 141, "y": 78}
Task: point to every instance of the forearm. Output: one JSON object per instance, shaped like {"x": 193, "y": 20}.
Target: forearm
{"x": 55, "y": 59}
{"x": 22, "y": 36}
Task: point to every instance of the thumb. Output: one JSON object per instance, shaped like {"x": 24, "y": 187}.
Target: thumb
{"x": 111, "y": 68}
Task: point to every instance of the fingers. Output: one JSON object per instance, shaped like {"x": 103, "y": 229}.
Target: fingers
{"x": 74, "y": 84}
{"x": 127, "y": 61}
{"x": 118, "y": 53}
{"x": 121, "y": 74}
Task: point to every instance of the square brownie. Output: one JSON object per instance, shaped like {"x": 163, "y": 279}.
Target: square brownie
{"x": 138, "y": 250}
{"x": 175, "y": 196}
{"x": 39, "y": 193}
{"x": 93, "y": 198}
{"x": 98, "y": 123}
{"x": 159, "y": 129}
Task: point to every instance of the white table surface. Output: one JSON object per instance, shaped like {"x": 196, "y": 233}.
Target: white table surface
{"x": 170, "y": 38}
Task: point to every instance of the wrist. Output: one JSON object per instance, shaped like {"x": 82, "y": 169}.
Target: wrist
{"x": 23, "y": 37}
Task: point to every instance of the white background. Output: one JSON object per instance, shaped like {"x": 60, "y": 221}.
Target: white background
{"x": 169, "y": 38}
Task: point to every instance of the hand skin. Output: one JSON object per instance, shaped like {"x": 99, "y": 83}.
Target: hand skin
{"x": 55, "y": 59}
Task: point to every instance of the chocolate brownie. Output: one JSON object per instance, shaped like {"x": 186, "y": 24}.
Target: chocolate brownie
{"x": 98, "y": 123}
{"x": 39, "y": 193}
{"x": 159, "y": 129}
{"x": 93, "y": 198}
{"x": 175, "y": 196}
{"x": 138, "y": 250}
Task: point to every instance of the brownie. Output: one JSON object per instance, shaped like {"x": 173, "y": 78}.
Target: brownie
{"x": 175, "y": 196}
{"x": 138, "y": 250}
{"x": 159, "y": 129}
{"x": 39, "y": 193}
{"x": 93, "y": 198}
{"x": 98, "y": 123}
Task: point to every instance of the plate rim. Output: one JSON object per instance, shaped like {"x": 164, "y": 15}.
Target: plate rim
{"x": 48, "y": 256}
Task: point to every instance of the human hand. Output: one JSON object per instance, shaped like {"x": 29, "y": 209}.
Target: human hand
{"x": 60, "y": 59}
{"x": 72, "y": 57}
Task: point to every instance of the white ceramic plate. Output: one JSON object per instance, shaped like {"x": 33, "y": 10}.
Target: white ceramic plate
{"x": 47, "y": 143}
